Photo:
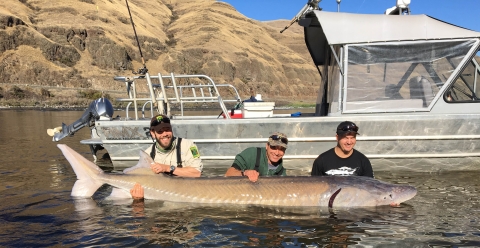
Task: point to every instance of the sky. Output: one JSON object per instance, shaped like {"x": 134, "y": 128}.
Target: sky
{"x": 463, "y": 13}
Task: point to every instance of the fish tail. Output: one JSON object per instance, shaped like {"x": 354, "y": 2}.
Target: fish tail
{"x": 87, "y": 172}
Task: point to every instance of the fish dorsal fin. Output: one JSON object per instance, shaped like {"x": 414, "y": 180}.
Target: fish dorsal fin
{"x": 142, "y": 167}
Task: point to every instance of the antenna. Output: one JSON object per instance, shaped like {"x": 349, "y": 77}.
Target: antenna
{"x": 143, "y": 70}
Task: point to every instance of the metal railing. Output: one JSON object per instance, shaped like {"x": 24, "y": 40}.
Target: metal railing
{"x": 158, "y": 93}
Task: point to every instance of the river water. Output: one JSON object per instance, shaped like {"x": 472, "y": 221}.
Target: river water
{"x": 36, "y": 208}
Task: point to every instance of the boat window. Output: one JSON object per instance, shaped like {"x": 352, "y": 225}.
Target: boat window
{"x": 467, "y": 86}
{"x": 399, "y": 76}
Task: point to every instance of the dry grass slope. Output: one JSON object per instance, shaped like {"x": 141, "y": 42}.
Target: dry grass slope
{"x": 68, "y": 46}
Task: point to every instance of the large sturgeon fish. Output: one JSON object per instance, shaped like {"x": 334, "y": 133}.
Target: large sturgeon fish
{"x": 328, "y": 191}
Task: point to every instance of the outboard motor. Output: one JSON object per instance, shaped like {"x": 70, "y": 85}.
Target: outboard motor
{"x": 98, "y": 109}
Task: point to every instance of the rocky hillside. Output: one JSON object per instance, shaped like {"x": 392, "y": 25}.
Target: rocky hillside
{"x": 60, "y": 52}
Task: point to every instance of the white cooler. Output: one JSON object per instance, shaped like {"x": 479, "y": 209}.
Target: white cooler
{"x": 257, "y": 109}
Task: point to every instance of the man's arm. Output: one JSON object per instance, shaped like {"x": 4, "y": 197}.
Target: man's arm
{"x": 241, "y": 164}
{"x": 181, "y": 172}
{"x": 232, "y": 172}
{"x": 138, "y": 205}
{"x": 137, "y": 192}
{"x": 251, "y": 174}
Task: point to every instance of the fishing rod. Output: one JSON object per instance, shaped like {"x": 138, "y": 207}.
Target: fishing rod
{"x": 311, "y": 5}
{"x": 143, "y": 70}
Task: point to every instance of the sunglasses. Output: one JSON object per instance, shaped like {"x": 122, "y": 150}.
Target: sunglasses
{"x": 281, "y": 148}
{"x": 160, "y": 119}
{"x": 350, "y": 127}
{"x": 165, "y": 129}
{"x": 278, "y": 137}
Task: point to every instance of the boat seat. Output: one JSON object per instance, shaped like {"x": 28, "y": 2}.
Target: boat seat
{"x": 420, "y": 88}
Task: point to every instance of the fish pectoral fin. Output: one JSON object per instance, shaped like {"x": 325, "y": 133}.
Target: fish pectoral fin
{"x": 119, "y": 194}
{"x": 332, "y": 198}
{"x": 85, "y": 188}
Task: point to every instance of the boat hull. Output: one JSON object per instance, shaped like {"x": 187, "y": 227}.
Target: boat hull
{"x": 417, "y": 142}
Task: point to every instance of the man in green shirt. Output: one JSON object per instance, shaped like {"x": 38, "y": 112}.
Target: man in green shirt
{"x": 261, "y": 161}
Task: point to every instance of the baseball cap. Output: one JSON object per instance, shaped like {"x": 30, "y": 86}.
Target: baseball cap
{"x": 160, "y": 121}
{"x": 278, "y": 139}
{"x": 347, "y": 127}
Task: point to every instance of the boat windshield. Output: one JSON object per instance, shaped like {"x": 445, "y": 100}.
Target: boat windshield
{"x": 397, "y": 76}
{"x": 466, "y": 87}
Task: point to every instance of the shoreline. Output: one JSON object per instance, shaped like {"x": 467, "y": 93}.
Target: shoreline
{"x": 279, "y": 104}
{"x": 121, "y": 109}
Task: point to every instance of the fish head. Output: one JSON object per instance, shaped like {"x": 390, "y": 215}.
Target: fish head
{"x": 398, "y": 194}
{"x": 390, "y": 194}
{"x": 384, "y": 193}
{"x": 361, "y": 191}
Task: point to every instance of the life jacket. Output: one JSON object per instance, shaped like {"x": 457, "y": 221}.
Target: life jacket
{"x": 179, "y": 153}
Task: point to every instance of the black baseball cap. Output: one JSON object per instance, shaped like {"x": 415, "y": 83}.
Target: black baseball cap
{"x": 160, "y": 121}
{"x": 347, "y": 127}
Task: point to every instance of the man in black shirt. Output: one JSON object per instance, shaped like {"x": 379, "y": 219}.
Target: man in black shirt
{"x": 343, "y": 160}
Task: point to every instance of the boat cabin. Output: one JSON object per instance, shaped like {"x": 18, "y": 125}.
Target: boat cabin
{"x": 391, "y": 63}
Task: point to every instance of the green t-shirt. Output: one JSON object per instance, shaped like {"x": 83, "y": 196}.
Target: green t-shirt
{"x": 247, "y": 158}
